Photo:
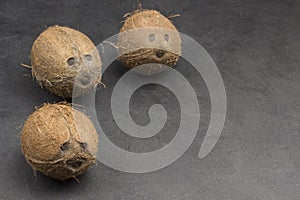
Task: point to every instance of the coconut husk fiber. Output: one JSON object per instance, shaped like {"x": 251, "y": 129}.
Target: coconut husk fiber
{"x": 59, "y": 55}
{"x": 148, "y": 37}
{"x": 59, "y": 141}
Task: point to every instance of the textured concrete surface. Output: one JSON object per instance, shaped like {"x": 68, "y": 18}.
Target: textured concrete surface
{"x": 254, "y": 43}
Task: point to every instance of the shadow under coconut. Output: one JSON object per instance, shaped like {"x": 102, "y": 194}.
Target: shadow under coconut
{"x": 98, "y": 181}
{"x": 38, "y": 185}
{"x": 35, "y": 185}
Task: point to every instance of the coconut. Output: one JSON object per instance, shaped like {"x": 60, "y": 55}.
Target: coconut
{"x": 59, "y": 141}
{"x": 148, "y": 37}
{"x": 59, "y": 55}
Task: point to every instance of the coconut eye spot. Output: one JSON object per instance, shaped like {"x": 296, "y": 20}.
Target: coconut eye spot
{"x": 65, "y": 146}
{"x": 167, "y": 38}
{"x": 71, "y": 61}
{"x": 83, "y": 145}
{"x": 88, "y": 57}
{"x": 151, "y": 37}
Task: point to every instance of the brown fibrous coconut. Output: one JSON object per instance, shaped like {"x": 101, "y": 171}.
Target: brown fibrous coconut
{"x": 59, "y": 141}
{"x": 61, "y": 57}
{"x": 148, "y": 37}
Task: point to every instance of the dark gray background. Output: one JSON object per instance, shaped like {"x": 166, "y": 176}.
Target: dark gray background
{"x": 255, "y": 44}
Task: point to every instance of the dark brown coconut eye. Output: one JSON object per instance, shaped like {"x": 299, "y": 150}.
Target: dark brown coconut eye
{"x": 71, "y": 61}
{"x": 151, "y": 37}
{"x": 160, "y": 53}
{"x": 83, "y": 145}
{"x": 166, "y": 37}
{"x": 88, "y": 57}
{"x": 64, "y": 146}
{"x": 76, "y": 163}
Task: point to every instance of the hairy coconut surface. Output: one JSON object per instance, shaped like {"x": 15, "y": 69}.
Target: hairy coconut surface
{"x": 148, "y": 37}
{"x": 58, "y": 55}
{"x": 59, "y": 141}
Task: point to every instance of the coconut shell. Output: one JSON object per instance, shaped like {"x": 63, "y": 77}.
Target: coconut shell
{"x": 148, "y": 37}
{"x": 60, "y": 56}
{"x": 59, "y": 141}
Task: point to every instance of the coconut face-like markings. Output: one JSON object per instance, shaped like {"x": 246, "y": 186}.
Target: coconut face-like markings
{"x": 58, "y": 55}
{"x": 59, "y": 141}
{"x": 148, "y": 37}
